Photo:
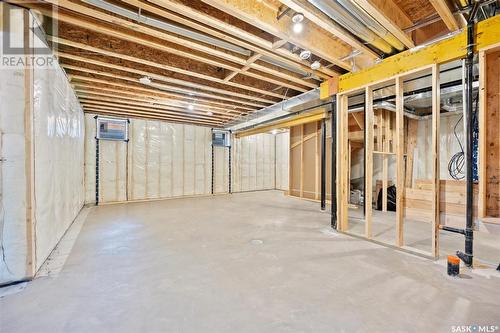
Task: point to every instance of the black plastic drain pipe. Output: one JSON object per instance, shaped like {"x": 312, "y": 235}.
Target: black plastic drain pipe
{"x": 323, "y": 164}
{"x": 467, "y": 256}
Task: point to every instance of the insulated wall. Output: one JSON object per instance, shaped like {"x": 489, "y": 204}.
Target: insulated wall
{"x": 161, "y": 160}
{"x": 58, "y": 154}
{"x": 13, "y": 236}
{"x": 282, "y": 160}
{"x": 41, "y": 139}
{"x": 254, "y": 163}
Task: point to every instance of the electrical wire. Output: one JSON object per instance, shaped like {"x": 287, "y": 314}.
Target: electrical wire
{"x": 457, "y": 162}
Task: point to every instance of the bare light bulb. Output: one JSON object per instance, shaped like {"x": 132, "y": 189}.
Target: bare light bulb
{"x": 298, "y": 27}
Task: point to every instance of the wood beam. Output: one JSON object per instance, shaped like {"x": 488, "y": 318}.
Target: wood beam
{"x": 317, "y": 41}
{"x": 170, "y": 68}
{"x": 445, "y": 13}
{"x": 390, "y": 16}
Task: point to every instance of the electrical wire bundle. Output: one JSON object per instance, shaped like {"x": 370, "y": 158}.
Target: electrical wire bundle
{"x": 457, "y": 162}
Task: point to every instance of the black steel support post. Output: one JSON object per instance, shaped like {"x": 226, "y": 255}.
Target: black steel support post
{"x": 230, "y": 169}
{"x": 96, "y": 171}
{"x": 213, "y": 168}
{"x": 467, "y": 256}
{"x": 334, "y": 163}
{"x": 323, "y": 164}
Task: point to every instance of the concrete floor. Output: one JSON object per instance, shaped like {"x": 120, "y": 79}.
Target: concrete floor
{"x": 417, "y": 236}
{"x": 250, "y": 262}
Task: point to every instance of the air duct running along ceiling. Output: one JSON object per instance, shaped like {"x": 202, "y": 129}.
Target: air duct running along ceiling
{"x": 360, "y": 23}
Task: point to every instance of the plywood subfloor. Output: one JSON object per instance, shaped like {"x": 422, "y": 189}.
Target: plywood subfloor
{"x": 250, "y": 262}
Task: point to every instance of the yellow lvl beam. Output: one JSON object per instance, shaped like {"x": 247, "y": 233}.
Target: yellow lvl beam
{"x": 487, "y": 35}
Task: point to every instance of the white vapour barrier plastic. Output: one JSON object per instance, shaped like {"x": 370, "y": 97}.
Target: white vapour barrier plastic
{"x": 448, "y": 143}
{"x": 164, "y": 160}
{"x": 221, "y": 169}
{"x": 56, "y": 140}
{"x": 13, "y": 242}
{"x": 282, "y": 160}
{"x": 254, "y": 163}
{"x": 59, "y": 153}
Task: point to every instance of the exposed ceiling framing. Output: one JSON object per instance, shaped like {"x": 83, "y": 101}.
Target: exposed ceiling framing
{"x": 213, "y": 62}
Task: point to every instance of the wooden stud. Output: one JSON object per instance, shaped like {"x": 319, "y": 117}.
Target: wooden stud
{"x": 369, "y": 115}
{"x": 399, "y": 143}
{"x": 436, "y": 112}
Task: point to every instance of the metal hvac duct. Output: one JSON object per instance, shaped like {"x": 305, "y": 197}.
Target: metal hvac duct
{"x": 371, "y": 23}
{"x": 342, "y": 16}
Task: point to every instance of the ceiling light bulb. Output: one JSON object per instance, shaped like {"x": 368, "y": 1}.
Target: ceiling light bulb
{"x": 274, "y": 132}
{"x": 145, "y": 80}
{"x": 305, "y": 55}
{"x": 298, "y": 27}
{"x": 297, "y": 18}
{"x": 315, "y": 65}
{"x": 190, "y": 106}
{"x": 209, "y": 113}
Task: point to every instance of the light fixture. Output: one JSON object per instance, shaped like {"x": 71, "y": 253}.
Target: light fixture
{"x": 191, "y": 107}
{"x": 209, "y": 113}
{"x": 305, "y": 54}
{"x": 274, "y": 131}
{"x": 298, "y": 26}
{"x": 145, "y": 80}
{"x": 315, "y": 65}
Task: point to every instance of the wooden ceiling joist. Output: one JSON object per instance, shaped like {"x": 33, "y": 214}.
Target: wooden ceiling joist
{"x": 198, "y": 110}
{"x": 162, "y": 86}
{"x": 85, "y": 47}
{"x": 141, "y": 115}
{"x": 129, "y": 25}
{"x": 151, "y": 110}
{"x": 445, "y": 13}
{"x": 79, "y": 87}
{"x": 322, "y": 20}
{"x": 390, "y": 16}
{"x": 314, "y": 39}
{"x": 88, "y": 60}
{"x": 127, "y": 88}
{"x": 178, "y": 12}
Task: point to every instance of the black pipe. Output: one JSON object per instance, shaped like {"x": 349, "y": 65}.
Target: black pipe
{"x": 452, "y": 229}
{"x": 230, "y": 165}
{"x": 96, "y": 171}
{"x": 467, "y": 256}
{"x": 333, "y": 195}
{"x": 323, "y": 164}
{"x": 213, "y": 166}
